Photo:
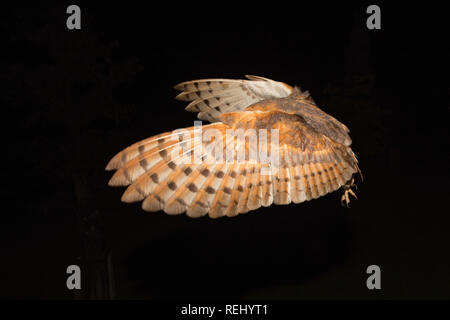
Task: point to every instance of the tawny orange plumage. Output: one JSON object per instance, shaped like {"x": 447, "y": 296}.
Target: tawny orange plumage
{"x": 179, "y": 171}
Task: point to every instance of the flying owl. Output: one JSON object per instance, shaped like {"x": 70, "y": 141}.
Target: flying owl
{"x": 306, "y": 152}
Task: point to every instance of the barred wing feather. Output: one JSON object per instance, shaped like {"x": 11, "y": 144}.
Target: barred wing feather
{"x": 213, "y": 97}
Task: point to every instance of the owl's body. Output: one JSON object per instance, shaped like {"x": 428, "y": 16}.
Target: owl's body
{"x": 180, "y": 171}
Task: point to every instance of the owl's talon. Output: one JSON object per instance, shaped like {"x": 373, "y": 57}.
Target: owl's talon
{"x": 347, "y": 190}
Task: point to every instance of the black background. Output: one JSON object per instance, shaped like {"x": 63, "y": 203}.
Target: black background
{"x": 72, "y": 99}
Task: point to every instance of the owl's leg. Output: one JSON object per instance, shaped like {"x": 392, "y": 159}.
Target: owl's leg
{"x": 347, "y": 190}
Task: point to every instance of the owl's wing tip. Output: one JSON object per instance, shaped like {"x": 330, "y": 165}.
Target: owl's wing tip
{"x": 179, "y": 86}
{"x": 113, "y": 164}
{"x": 253, "y": 77}
{"x": 109, "y": 167}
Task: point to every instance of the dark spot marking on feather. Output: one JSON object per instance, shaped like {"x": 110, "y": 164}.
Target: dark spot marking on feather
{"x": 126, "y": 174}
{"x": 206, "y": 101}
{"x": 208, "y": 83}
{"x": 172, "y": 165}
{"x": 244, "y": 172}
{"x": 219, "y": 174}
{"x": 297, "y": 177}
{"x": 161, "y": 140}
{"x": 143, "y": 163}
{"x": 240, "y": 189}
{"x": 196, "y": 85}
{"x": 141, "y": 149}
{"x": 201, "y": 204}
{"x": 124, "y": 156}
{"x": 181, "y": 201}
{"x": 233, "y": 174}
{"x": 187, "y": 171}
{"x": 155, "y": 178}
{"x": 217, "y": 108}
{"x": 250, "y": 185}
{"x": 210, "y": 190}
{"x": 172, "y": 185}
{"x": 227, "y": 190}
{"x": 205, "y": 172}
{"x": 163, "y": 153}
{"x": 306, "y": 176}
{"x": 221, "y": 204}
{"x": 158, "y": 198}
{"x": 139, "y": 190}
{"x": 210, "y": 91}
{"x": 192, "y": 187}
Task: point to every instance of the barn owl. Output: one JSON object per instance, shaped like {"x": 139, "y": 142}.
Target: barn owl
{"x": 306, "y": 152}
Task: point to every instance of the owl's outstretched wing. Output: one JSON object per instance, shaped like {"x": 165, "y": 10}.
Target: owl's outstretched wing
{"x": 180, "y": 171}
{"x": 213, "y": 97}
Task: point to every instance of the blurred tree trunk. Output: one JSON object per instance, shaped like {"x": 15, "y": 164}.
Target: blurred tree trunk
{"x": 97, "y": 274}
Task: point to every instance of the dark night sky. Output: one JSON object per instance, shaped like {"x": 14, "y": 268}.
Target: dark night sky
{"x": 72, "y": 99}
